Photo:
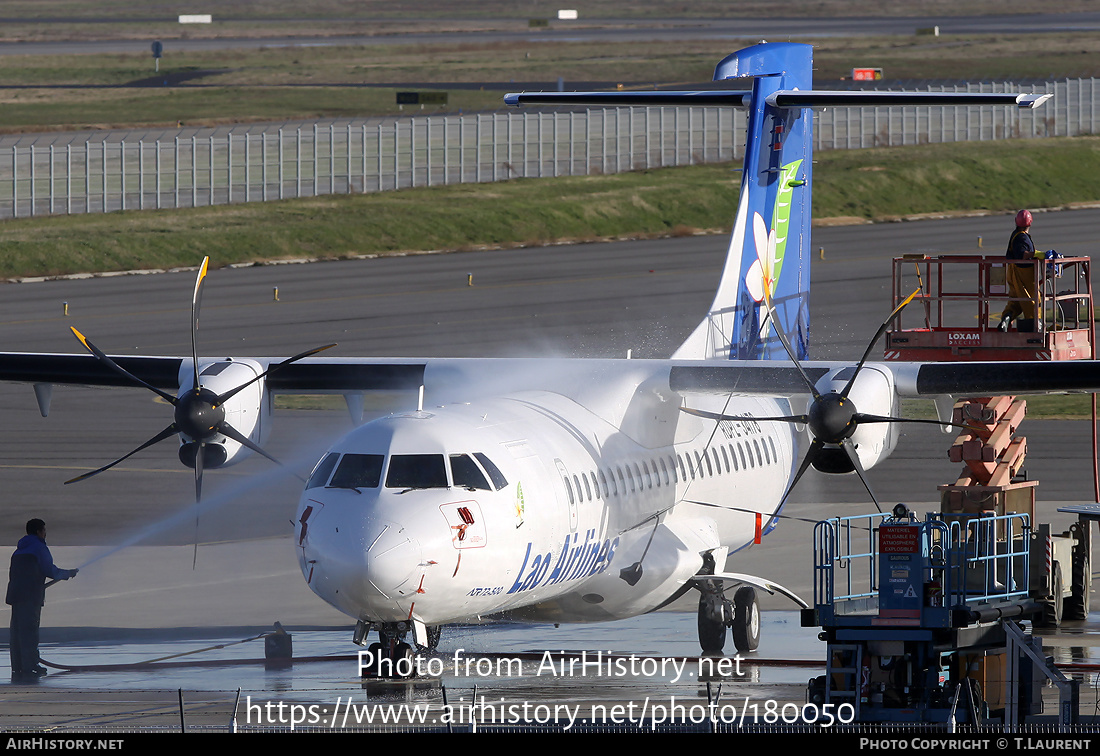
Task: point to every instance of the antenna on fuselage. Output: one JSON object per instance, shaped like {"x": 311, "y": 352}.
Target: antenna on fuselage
{"x": 420, "y": 399}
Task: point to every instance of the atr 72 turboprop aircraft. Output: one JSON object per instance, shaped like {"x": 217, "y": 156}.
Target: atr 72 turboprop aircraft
{"x": 583, "y": 490}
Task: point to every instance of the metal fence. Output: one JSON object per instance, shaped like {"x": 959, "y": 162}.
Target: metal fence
{"x": 108, "y": 171}
{"x": 218, "y": 166}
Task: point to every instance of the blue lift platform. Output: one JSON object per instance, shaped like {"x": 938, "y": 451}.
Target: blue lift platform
{"x": 921, "y": 618}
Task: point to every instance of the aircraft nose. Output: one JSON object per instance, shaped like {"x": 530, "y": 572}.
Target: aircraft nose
{"x": 369, "y": 564}
{"x": 393, "y": 560}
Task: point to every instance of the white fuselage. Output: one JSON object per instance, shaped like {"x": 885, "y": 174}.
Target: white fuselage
{"x": 583, "y": 486}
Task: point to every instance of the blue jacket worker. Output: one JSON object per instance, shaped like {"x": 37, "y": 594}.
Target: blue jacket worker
{"x": 31, "y": 565}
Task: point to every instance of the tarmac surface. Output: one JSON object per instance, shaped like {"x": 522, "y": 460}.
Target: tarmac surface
{"x": 144, "y": 601}
{"x": 412, "y": 32}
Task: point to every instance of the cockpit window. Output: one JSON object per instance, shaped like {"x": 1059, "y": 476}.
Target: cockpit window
{"x": 499, "y": 481}
{"x": 417, "y": 471}
{"x": 466, "y": 474}
{"x": 358, "y": 471}
{"x": 323, "y": 469}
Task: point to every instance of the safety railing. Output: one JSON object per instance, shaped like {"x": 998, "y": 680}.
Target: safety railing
{"x": 846, "y": 559}
{"x": 980, "y": 558}
{"x": 961, "y": 299}
{"x": 961, "y": 560}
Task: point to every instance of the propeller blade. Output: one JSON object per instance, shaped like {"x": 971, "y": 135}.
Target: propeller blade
{"x": 195, "y": 301}
{"x": 727, "y": 508}
{"x": 787, "y": 344}
{"x": 118, "y": 368}
{"x": 859, "y": 417}
{"x": 849, "y": 449}
{"x": 198, "y": 499}
{"x": 243, "y": 440}
{"x": 720, "y": 416}
{"x": 815, "y": 447}
{"x": 171, "y": 430}
{"x": 878, "y": 335}
{"x": 198, "y": 475}
{"x": 271, "y": 369}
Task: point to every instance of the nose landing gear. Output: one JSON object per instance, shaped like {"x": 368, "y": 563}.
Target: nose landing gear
{"x": 391, "y": 657}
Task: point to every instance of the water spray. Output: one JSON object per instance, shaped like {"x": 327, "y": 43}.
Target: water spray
{"x": 210, "y": 504}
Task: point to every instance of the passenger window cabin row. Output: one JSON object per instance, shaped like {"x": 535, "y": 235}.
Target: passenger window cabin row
{"x": 626, "y": 478}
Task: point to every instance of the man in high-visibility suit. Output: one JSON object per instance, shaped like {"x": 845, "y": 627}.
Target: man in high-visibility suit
{"x": 1020, "y": 277}
{"x": 31, "y": 565}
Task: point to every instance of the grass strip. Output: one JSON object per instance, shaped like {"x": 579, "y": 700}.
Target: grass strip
{"x": 871, "y": 184}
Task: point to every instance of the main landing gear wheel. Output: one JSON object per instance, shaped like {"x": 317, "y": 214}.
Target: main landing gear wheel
{"x": 712, "y": 632}
{"x": 746, "y": 620}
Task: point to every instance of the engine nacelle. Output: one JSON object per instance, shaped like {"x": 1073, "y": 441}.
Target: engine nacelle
{"x": 873, "y": 394}
{"x": 248, "y": 411}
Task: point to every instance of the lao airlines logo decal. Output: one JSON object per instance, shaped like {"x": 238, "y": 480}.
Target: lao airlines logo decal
{"x": 762, "y": 277}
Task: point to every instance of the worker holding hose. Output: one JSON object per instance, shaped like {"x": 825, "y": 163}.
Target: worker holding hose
{"x": 31, "y": 565}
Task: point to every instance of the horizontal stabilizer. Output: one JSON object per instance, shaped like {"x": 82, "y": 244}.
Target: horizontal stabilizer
{"x": 784, "y": 98}
{"x": 625, "y": 99}
{"x": 823, "y": 98}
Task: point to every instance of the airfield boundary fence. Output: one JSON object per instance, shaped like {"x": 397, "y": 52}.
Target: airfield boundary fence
{"x": 104, "y": 172}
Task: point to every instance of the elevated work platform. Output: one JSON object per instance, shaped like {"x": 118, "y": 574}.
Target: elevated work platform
{"x": 921, "y": 618}
{"x": 960, "y": 304}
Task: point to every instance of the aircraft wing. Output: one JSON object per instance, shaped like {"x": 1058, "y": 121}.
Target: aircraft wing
{"x": 764, "y": 378}
{"x": 994, "y": 378}
{"x": 305, "y": 376}
{"x": 87, "y": 370}
{"x": 912, "y": 379}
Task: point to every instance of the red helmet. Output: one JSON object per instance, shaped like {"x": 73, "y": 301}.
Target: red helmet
{"x": 1023, "y": 219}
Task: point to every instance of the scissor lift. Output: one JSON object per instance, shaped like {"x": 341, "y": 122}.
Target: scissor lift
{"x": 954, "y": 317}
{"x": 956, "y": 314}
{"x": 1061, "y": 576}
{"x": 920, "y": 618}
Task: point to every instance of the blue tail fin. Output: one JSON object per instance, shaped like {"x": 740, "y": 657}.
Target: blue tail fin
{"x": 770, "y": 244}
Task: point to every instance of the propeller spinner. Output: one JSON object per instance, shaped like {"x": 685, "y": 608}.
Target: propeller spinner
{"x": 832, "y": 418}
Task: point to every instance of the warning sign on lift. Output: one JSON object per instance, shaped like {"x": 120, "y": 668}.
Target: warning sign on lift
{"x": 899, "y": 539}
{"x": 900, "y": 571}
